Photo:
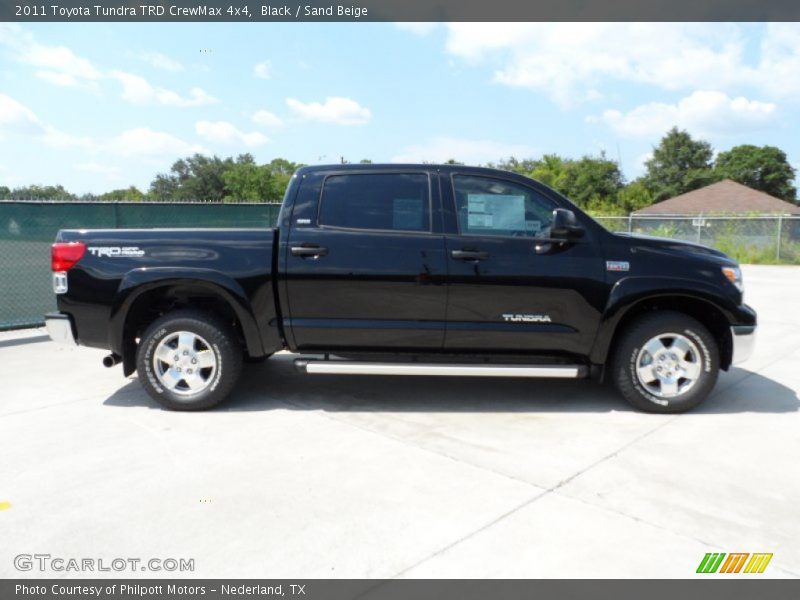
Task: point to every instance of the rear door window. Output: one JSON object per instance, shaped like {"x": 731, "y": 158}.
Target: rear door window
{"x": 379, "y": 201}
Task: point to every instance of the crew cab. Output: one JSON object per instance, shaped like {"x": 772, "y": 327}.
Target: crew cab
{"x": 439, "y": 270}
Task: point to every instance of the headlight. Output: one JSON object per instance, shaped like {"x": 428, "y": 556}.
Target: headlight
{"x": 734, "y": 275}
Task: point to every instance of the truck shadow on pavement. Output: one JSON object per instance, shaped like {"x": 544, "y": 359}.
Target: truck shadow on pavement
{"x": 275, "y": 385}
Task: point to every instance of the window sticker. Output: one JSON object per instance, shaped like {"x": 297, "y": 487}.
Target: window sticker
{"x": 533, "y": 226}
{"x": 496, "y": 211}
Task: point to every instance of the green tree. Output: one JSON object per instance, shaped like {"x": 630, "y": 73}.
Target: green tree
{"x": 131, "y": 194}
{"x": 248, "y": 181}
{"x": 197, "y": 177}
{"x": 633, "y": 197}
{"x": 679, "y": 164}
{"x": 523, "y": 167}
{"x": 592, "y": 180}
{"x": 551, "y": 170}
{"x": 42, "y": 192}
{"x": 4, "y": 192}
{"x": 282, "y": 171}
{"x": 281, "y": 166}
{"x": 762, "y": 168}
{"x": 163, "y": 187}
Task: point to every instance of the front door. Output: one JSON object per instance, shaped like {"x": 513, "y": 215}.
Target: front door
{"x": 508, "y": 290}
{"x": 365, "y": 264}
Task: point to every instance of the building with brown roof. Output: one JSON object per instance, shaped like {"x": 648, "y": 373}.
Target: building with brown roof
{"x": 725, "y": 197}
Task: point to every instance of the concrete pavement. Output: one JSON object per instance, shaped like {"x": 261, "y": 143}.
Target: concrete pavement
{"x": 329, "y": 476}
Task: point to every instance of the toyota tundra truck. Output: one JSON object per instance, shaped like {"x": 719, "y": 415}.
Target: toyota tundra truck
{"x": 434, "y": 270}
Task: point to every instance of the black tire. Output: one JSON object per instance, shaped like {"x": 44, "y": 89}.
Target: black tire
{"x": 219, "y": 380}
{"x": 647, "y": 396}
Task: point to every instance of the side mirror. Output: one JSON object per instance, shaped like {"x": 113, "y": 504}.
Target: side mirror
{"x": 565, "y": 225}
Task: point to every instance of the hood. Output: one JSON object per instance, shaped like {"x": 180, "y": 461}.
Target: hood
{"x": 676, "y": 246}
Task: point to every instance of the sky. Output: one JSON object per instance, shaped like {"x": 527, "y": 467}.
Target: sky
{"x": 100, "y": 106}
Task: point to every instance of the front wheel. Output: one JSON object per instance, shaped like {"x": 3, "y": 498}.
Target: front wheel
{"x": 666, "y": 362}
{"x": 189, "y": 360}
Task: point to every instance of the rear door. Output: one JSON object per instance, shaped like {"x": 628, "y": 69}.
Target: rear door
{"x": 365, "y": 262}
{"x": 509, "y": 291}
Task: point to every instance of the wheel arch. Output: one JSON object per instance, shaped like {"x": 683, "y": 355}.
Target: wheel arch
{"x": 145, "y": 295}
{"x": 702, "y": 308}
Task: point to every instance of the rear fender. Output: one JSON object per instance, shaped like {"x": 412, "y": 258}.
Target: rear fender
{"x": 137, "y": 282}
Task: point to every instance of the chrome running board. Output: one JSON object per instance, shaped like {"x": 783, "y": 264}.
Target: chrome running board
{"x": 342, "y": 367}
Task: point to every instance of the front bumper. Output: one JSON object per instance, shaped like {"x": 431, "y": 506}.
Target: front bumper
{"x": 744, "y": 341}
{"x": 59, "y": 328}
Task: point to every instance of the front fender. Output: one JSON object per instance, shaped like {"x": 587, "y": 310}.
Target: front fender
{"x": 139, "y": 281}
{"x": 631, "y": 291}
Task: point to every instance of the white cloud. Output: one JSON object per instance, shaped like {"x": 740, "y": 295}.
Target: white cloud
{"x": 417, "y": 28}
{"x": 160, "y": 61}
{"x": 56, "y": 78}
{"x": 335, "y": 109}
{"x": 15, "y": 117}
{"x": 18, "y": 119}
{"x": 144, "y": 142}
{"x": 61, "y": 66}
{"x": 263, "y": 70}
{"x": 573, "y": 62}
{"x": 56, "y": 138}
{"x": 139, "y": 143}
{"x": 266, "y": 119}
{"x": 441, "y": 149}
{"x": 703, "y": 113}
{"x": 780, "y": 60}
{"x": 227, "y": 133}
{"x": 137, "y": 90}
{"x": 55, "y": 64}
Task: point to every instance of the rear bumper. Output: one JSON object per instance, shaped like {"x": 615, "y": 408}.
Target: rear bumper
{"x": 744, "y": 341}
{"x": 59, "y": 328}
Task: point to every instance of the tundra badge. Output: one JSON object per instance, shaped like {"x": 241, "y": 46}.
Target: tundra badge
{"x": 526, "y": 318}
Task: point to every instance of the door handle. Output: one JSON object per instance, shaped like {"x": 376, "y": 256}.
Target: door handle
{"x": 469, "y": 255}
{"x": 309, "y": 251}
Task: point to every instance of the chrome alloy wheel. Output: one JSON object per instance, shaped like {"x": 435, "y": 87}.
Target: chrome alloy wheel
{"x": 669, "y": 365}
{"x": 184, "y": 363}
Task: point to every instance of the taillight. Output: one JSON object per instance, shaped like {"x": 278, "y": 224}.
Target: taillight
{"x": 64, "y": 255}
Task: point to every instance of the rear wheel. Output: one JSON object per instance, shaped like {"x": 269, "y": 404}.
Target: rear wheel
{"x": 189, "y": 360}
{"x": 666, "y": 362}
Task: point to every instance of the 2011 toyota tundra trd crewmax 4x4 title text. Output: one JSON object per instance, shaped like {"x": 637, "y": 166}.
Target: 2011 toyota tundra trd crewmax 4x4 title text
{"x": 406, "y": 270}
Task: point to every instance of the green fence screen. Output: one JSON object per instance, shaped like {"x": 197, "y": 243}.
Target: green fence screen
{"x": 28, "y": 228}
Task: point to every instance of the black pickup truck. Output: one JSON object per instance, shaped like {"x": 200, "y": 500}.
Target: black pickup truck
{"x": 406, "y": 270}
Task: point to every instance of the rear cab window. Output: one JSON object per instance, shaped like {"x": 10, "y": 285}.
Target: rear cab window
{"x": 376, "y": 202}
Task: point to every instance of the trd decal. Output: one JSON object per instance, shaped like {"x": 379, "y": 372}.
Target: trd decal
{"x": 115, "y": 251}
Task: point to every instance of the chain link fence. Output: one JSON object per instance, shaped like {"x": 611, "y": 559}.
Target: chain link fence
{"x": 756, "y": 239}
{"x": 28, "y": 228}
